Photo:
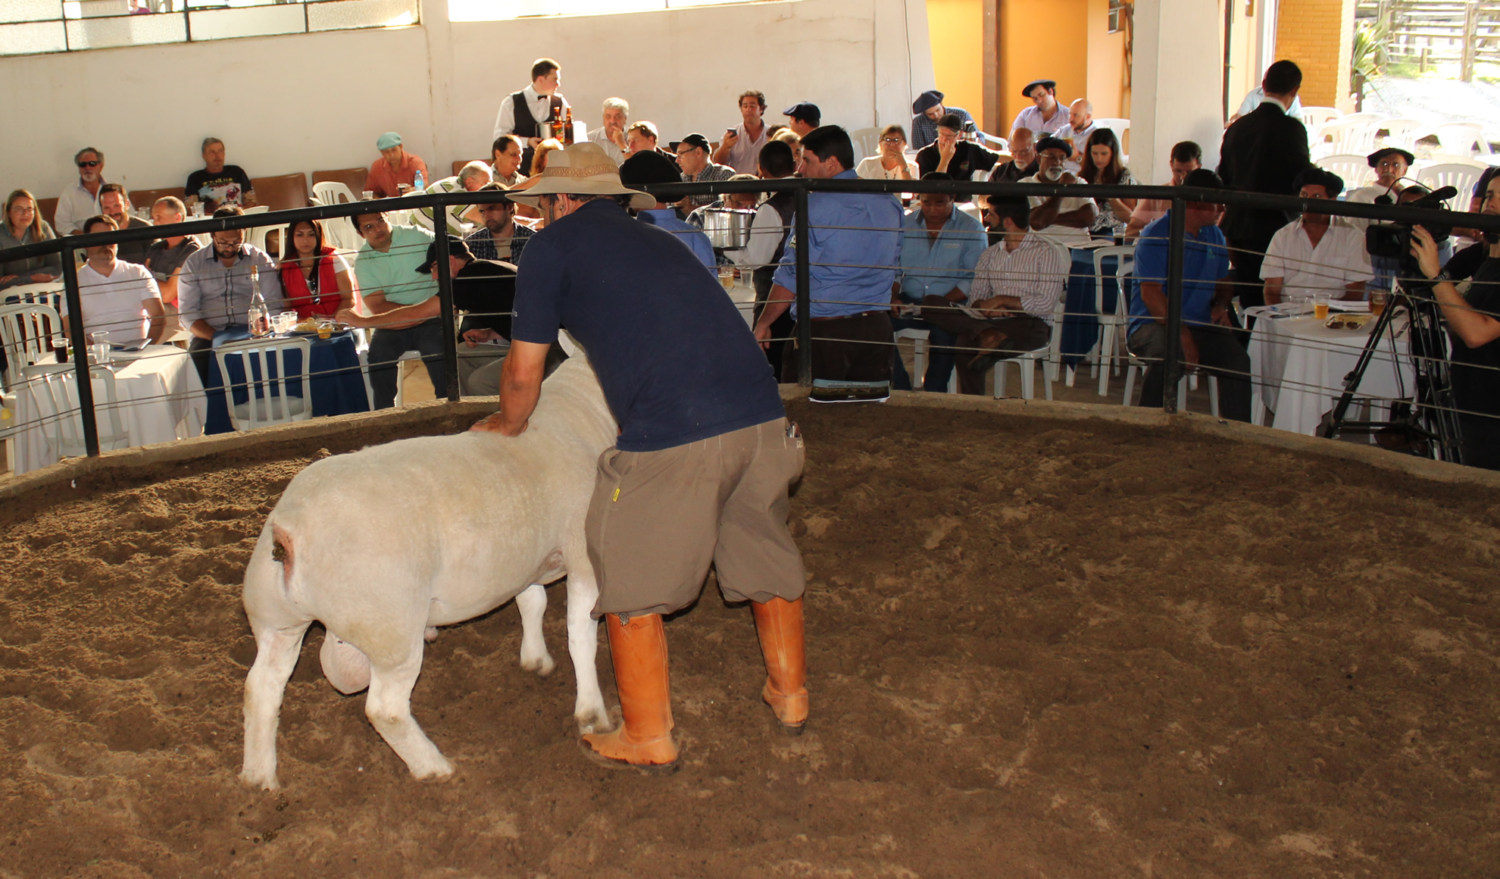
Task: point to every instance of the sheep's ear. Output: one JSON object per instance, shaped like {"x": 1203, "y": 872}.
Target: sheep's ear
{"x": 569, "y": 344}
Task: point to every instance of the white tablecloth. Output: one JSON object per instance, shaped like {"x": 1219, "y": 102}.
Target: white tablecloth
{"x": 160, "y": 399}
{"x": 1299, "y": 366}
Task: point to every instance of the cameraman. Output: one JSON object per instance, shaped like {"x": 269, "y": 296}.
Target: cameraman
{"x": 1475, "y": 329}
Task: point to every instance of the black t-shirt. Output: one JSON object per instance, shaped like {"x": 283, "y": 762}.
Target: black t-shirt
{"x": 1476, "y": 371}
{"x": 226, "y": 187}
{"x": 967, "y": 158}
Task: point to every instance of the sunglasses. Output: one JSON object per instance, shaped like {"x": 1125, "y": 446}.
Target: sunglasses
{"x": 93, "y": 164}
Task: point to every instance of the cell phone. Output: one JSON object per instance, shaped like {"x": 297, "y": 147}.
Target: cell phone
{"x": 728, "y": 131}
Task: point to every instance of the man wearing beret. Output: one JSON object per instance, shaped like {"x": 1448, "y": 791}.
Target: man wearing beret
{"x": 1391, "y": 165}
{"x": 1045, "y": 116}
{"x": 929, "y": 109}
{"x": 1063, "y": 219}
{"x": 1316, "y": 253}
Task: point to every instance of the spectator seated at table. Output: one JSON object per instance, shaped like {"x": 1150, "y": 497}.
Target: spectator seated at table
{"x": 1064, "y": 219}
{"x": 929, "y": 108}
{"x": 114, "y": 202}
{"x": 1185, "y": 158}
{"x": 314, "y": 277}
{"x": 644, "y": 169}
{"x": 952, "y": 155}
{"x": 1316, "y": 254}
{"x": 23, "y": 224}
{"x": 164, "y": 259}
{"x": 404, "y": 306}
{"x": 216, "y": 184}
{"x": 939, "y": 247}
{"x": 1016, "y": 286}
{"x": 891, "y": 162}
{"x": 1079, "y": 129}
{"x": 117, "y": 297}
{"x": 1102, "y": 165}
{"x": 610, "y": 135}
{"x": 506, "y": 165}
{"x": 394, "y": 173}
{"x": 1391, "y": 165}
{"x": 470, "y": 178}
{"x": 1207, "y": 336}
{"x": 499, "y": 236}
{"x": 214, "y": 290}
{"x": 1022, "y": 162}
{"x": 1046, "y": 115}
{"x": 1467, "y": 290}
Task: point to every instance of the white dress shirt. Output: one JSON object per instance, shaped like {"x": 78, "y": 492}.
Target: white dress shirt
{"x": 1338, "y": 260}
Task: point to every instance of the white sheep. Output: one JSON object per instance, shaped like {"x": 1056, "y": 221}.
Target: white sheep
{"x": 382, "y": 544}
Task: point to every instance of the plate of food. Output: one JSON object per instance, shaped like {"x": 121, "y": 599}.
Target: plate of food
{"x": 1347, "y": 321}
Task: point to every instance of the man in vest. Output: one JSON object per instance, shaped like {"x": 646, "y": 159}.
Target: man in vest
{"x": 520, "y": 112}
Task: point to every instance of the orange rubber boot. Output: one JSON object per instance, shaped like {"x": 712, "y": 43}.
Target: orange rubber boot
{"x": 638, "y": 651}
{"x": 779, "y": 624}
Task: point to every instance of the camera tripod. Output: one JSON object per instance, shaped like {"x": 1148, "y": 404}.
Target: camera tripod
{"x": 1430, "y": 426}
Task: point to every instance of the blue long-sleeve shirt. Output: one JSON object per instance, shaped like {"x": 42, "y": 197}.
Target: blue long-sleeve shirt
{"x": 855, "y": 248}
{"x": 934, "y": 266}
{"x": 693, "y": 236}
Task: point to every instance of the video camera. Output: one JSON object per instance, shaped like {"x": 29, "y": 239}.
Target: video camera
{"x": 1393, "y": 240}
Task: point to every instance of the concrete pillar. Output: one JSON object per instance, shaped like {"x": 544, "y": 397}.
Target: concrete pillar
{"x": 1177, "y": 91}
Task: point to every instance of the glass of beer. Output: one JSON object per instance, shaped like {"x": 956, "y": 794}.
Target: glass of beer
{"x": 1378, "y": 296}
{"x": 1320, "y": 306}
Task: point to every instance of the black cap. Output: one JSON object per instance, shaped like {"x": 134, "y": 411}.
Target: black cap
{"x": 1375, "y": 157}
{"x": 694, "y": 139}
{"x": 1049, "y": 83}
{"x": 1202, "y": 178}
{"x": 1048, "y": 142}
{"x": 646, "y": 167}
{"x": 806, "y": 111}
{"x": 456, "y": 247}
{"x": 926, "y": 101}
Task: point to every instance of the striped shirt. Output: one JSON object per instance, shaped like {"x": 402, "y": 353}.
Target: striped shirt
{"x": 1035, "y": 272}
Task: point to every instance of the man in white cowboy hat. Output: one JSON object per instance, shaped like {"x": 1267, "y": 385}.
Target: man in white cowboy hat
{"x": 705, "y": 455}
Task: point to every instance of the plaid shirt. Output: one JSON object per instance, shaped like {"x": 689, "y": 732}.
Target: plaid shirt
{"x": 483, "y": 244}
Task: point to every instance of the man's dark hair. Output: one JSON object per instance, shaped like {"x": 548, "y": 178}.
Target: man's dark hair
{"x": 830, "y": 142}
{"x": 776, "y": 159}
{"x": 760, "y": 98}
{"x": 951, "y": 121}
{"x": 1187, "y": 151}
{"x": 1202, "y": 178}
{"x": 229, "y": 210}
{"x": 1282, "y": 78}
{"x": 499, "y": 145}
{"x": 99, "y": 218}
{"x": 115, "y": 187}
{"x": 543, "y": 66}
{"x": 1016, "y": 207}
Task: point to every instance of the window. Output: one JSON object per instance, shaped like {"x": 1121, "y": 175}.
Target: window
{"x": 34, "y": 26}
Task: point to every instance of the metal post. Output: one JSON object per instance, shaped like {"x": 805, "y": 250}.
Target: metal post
{"x": 804, "y": 294}
{"x": 1172, "y": 356}
{"x": 80, "y": 353}
{"x": 445, "y": 296}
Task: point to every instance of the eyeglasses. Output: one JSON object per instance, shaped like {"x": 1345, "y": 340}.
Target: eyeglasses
{"x": 374, "y": 224}
{"x": 891, "y": 140}
{"x": 93, "y": 164}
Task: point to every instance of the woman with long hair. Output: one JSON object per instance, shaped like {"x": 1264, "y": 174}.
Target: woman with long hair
{"x": 315, "y": 278}
{"x": 23, "y": 224}
{"x": 1102, "y": 165}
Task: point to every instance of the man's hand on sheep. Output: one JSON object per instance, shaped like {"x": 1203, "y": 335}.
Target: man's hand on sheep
{"x": 496, "y": 424}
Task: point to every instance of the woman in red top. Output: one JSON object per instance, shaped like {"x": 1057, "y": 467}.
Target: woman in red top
{"x": 314, "y": 278}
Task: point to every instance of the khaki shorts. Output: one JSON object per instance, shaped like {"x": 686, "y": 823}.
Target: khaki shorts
{"x": 658, "y": 519}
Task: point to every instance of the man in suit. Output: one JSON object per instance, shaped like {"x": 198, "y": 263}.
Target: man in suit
{"x": 1263, "y": 151}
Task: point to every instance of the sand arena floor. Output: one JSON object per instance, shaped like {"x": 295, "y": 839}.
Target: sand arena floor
{"x": 1038, "y": 648}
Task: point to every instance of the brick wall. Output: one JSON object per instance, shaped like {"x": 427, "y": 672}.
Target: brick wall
{"x": 1318, "y": 35}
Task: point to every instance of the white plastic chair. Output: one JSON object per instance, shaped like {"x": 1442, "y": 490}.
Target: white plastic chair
{"x": 1354, "y": 133}
{"x": 1353, "y": 169}
{"x": 1402, "y": 131}
{"x": 1111, "y": 324}
{"x": 1120, "y": 127}
{"x": 919, "y": 336}
{"x": 269, "y": 400}
{"x": 1462, "y": 138}
{"x": 55, "y": 388}
{"x": 28, "y": 333}
{"x": 866, "y": 142}
{"x": 332, "y": 192}
{"x": 1314, "y": 118}
{"x": 1460, "y": 175}
{"x": 1050, "y": 358}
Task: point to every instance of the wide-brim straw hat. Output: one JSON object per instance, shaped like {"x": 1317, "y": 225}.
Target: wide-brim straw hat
{"x": 581, "y": 169}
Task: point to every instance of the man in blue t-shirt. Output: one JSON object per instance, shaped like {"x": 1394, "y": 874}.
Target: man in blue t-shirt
{"x": 705, "y": 456}
{"x": 1207, "y": 335}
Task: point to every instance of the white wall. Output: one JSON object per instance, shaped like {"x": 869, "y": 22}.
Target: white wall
{"x": 1172, "y": 36}
{"x": 148, "y": 108}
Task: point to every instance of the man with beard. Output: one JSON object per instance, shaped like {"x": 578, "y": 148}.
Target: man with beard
{"x": 1063, "y": 219}
{"x": 501, "y": 237}
{"x": 114, "y": 202}
{"x": 214, "y": 289}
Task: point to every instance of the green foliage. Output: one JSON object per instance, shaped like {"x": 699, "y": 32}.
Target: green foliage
{"x": 1369, "y": 57}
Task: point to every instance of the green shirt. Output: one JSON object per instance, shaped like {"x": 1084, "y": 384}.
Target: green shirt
{"x": 394, "y": 273}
